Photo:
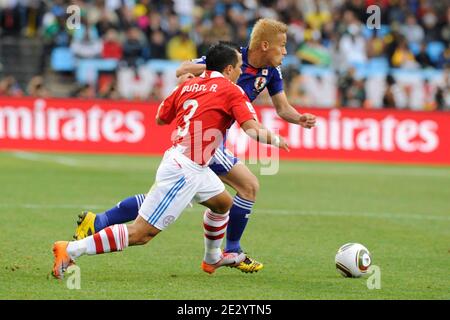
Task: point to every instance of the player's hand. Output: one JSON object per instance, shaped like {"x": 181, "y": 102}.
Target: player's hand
{"x": 283, "y": 145}
{"x": 307, "y": 120}
{"x": 185, "y": 77}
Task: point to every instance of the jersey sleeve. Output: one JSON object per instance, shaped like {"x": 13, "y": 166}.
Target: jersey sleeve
{"x": 240, "y": 107}
{"x": 275, "y": 84}
{"x": 167, "y": 109}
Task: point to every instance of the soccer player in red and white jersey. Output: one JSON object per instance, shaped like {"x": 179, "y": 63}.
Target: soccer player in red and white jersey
{"x": 260, "y": 70}
{"x": 203, "y": 108}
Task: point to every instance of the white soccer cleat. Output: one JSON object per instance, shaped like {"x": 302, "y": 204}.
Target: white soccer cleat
{"x": 228, "y": 259}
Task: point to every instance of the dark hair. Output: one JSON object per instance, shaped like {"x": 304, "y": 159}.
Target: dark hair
{"x": 219, "y": 56}
{"x": 231, "y": 44}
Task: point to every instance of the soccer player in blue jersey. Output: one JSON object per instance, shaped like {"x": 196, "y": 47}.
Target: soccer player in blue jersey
{"x": 260, "y": 70}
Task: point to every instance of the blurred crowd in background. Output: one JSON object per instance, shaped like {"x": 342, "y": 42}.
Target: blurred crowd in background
{"x": 326, "y": 35}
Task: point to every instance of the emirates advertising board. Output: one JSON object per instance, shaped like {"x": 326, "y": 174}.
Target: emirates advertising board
{"x": 124, "y": 127}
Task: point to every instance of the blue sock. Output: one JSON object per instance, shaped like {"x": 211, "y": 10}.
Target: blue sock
{"x": 239, "y": 213}
{"x": 125, "y": 211}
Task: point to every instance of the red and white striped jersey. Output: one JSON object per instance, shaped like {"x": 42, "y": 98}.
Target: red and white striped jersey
{"x": 203, "y": 109}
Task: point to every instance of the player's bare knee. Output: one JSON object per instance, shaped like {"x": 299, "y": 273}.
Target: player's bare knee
{"x": 227, "y": 203}
{"x": 223, "y": 208}
{"x": 142, "y": 238}
{"x": 145, "y": 238}
{"x": 249, "y": 189}
{"x": 220, "y": 204}
{"x": 140, "y": 233}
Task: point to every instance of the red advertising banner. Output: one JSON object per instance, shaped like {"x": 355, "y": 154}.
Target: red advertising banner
{"x": 361, "y": 135}
{"x": 73, "y": 125}
{"x": 103, "y": 126}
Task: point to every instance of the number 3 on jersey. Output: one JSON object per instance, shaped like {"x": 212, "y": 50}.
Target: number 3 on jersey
{"x": 187, "y": 118}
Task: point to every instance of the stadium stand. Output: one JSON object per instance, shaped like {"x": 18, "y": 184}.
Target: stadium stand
{"x": 328, "y": 41}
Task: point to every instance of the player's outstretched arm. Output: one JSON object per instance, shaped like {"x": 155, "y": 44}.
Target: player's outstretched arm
{"x": 257, "y": 132}
{"x": 288, "y": 112}
{"x": 190, "y": 67}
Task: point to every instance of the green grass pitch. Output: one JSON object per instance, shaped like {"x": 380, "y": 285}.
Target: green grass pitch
{"x": 302, "y": 216}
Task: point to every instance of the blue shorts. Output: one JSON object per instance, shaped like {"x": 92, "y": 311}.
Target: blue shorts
{"x": 222, "y": 161}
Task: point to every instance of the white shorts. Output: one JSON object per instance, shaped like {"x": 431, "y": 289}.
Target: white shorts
{"x": 178, "y": 181}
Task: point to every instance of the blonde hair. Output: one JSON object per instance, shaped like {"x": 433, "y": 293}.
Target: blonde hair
{"x": 266, "y": 30}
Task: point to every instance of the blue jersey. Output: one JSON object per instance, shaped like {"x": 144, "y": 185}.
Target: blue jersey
{"x": 254, "y": 80}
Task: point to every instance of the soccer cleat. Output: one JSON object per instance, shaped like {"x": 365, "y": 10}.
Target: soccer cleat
{"x": 62, "y": 259}
{"x": 249, "y": 265}
{"x": 228, "y": 259}
{"x": 85, "y": 225}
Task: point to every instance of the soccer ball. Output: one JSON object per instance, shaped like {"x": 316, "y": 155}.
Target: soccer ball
{"x": 352, "y": 260}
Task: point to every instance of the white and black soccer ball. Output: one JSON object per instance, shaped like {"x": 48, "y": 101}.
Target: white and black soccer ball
{"x": 352, "y": 260}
